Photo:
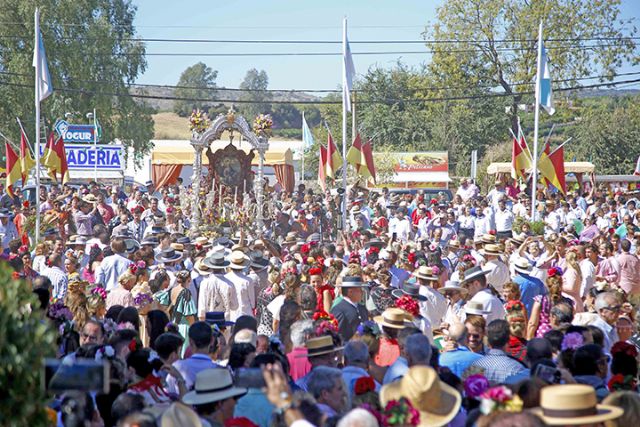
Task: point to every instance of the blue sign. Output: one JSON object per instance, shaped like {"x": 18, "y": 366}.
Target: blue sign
{"x": 76, "y": 133}
{"x": 85, "y": 157}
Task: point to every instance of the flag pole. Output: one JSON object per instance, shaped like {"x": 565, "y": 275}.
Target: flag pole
{"x": 345, "y": 197}
{"x": 303, "y": 146}
{"x": 534, "y": 182}
{"x": 560, "y": 146}
{"x": 95, "y": 147}
{"x": 10, "y": 142}
{"x": 37, "y": 140}
{"x": 25, "y": 135}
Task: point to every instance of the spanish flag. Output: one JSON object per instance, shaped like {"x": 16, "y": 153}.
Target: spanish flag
{"x": 520, "y": 160}
{"x": 13, "y": 169}
{"x": 354, "y": 155}
{"x": 368, "y": 170}
{"x": 26, "y": 161}
{"x": 551, "y": 167}
{"x": 334, "y": 160}
{"x": 55, "y": 158}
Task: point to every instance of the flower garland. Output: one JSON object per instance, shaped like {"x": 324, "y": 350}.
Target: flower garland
{"x": 198, "y": 122}
{"x": 409, "y": 305}
{"x": 262, "y": 125}
{"x": 400, "y": 413}
{"x": 499, "y": 398}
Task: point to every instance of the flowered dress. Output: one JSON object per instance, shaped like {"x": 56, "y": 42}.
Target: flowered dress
{"x": 265, "y": 326}
{"x": 180, "y": 311}
{"x": 544, "y": 325}
{"x": 382, "y": 298}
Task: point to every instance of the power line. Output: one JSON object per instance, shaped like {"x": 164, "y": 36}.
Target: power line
{"x": 337, "y": 102}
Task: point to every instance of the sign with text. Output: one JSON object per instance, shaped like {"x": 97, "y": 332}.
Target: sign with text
{"x": 85, "y": 157}
{"x": 76, "y": 133}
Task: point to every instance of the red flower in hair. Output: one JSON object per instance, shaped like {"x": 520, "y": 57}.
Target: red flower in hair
{"x": 315, "y": 271}
{"x": 554, "y": 271}
{"x": 133, "y": 269}
{"x": 492, "y": 232}
{"x": 433, "y": 202}
{"x": 364, "y": 385}
{"x": 198, "y": 246}
{"x": 133, "y": 345}
{"x": 26, "y": 204}
{"x": 408, "y": 304}
{"x": 305, "y": 248}
{"x": 411, "y": 257}
{"x": 373, "y": 250}
{"x": 622, "y": 347}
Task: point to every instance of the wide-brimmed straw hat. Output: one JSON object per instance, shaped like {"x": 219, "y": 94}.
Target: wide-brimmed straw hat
{"x": 392, "y": 317}
{"x": 169, "y": 255}
{"x": 491, "y": 249}
{"x": 409, "y": 289}
{"x": 179, "y": 414}
{"x": 488, "y": 238}
{"x": 437, "y": 402}
{"x": 473, "y": 273}
{"x": 475, "y": 307}
{"x": 521, "y": 265}
{"x": 426, "y": 273}
{"x": 90, "y": 198}
{"x": 202, "y": 268}
{"x": 452, "y": 285}
{"x": 213, "y": 385}
{"x": 238, "y": 260}
{"x": 319, "y": 345}
{"x": 573, "y": 404}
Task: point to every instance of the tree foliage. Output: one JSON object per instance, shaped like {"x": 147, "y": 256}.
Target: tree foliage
{"x": 480, "y": 56}
{"x": 26, "y": 340}
{"x": 196, "y": 76}
{"x": 257, "y": 82}
{"x": 90, "y": 61}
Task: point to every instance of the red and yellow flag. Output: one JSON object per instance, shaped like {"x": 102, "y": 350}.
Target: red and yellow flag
{"x": 520, "y": 159}
{"x": 334, "y": 159}
{"x": 368, "y": 170}
{"x": 13, "y": 169}
{"x": 354, "y": 155}
{"x": 55, "y": 158}
{"x": 551, "y": 167}
{"x": 26, "y": 161}
{"x": 322, "y": 165}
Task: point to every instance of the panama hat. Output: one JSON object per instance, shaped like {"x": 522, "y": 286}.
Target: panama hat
{"x": 452, "y": 285}
{"x": 454, "y": 244}
{"x": 392, "y": 317}
{"x": 472, "y": 273}
{"x": 291, "y": 238}
{"x": 488, "y": 238}
{"x": 178, "y": 246}
{"x": 213, "y": 385}
{"x": 352, "y": 282}
{"x": 258, "y": 260}
{"x": 203, "y": 241}
{"x": 168, "y": 255}
{"x": 426, "y": 273}
{"x": 90, "y": 198}
{"x": 491, "y": 249}
{"x": 77, "y": 241}
{"x": 521, "y": 265}
{"x": 437, "y": 402}
{"x": 409, "y": 289}
{"x": 518, "y": 239}
{"x": 319, "y": 345}
{"x": 475, "y": 307}
{"x": 179, "y": 414}
{"x": 573, "y": 404}
{"x": 202, "y": 268}
{"x": 238, "y": 260}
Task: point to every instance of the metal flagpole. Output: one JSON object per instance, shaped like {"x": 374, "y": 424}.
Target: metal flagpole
{"x": 303, "y": 147}
{"x": 345, "y": 198}
{"x": 534, "y": 182}
{"x": 95, "y": 146}
{"x": 560, "y": 146}
{"x": 37, "y": 140}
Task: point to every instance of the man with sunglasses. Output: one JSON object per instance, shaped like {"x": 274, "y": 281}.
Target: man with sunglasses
{"x": 608, "y": 308}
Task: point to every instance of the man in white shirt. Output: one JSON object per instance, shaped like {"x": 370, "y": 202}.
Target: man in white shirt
{"x": 114, "y": 265}
{"x": 497, "y": 272}
{"x": 475, "y": 282}
{"x": 587, "y": 270}
{"x": 434, "y": 307}
{"x": 504, "y": 221}
{"x": 496, "y": 194}
{"x": 400, "y": 225}
{"x": 243, "y": 285}
{"x": 552, "y": 219}
{"x": 467, "y": 190}
{"x": 216, "y": 292}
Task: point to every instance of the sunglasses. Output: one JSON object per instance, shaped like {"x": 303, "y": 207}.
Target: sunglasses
{"x": 614, "y": 308}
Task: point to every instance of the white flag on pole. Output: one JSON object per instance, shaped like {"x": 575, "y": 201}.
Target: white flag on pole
{"x": 348, "y": 69}
{"x": 307, "y": 136}
{"x": 546, "y": 95}
{"x": 43, "y": 78}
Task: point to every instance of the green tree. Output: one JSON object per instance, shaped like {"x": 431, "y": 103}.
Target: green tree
{"x": 196, "y": 76}
{"x": 93, "y": 53}
{"x": 256, "y": 83}
{"x": 470, "y": 48}
{"x": 26, "y": 340}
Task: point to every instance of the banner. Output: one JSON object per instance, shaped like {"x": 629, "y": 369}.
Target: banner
{"x": 85, "y": 157}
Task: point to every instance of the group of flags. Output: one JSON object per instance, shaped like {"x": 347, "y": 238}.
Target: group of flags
{"x": 551, "y": 163}
{"x": 54, "y": 158}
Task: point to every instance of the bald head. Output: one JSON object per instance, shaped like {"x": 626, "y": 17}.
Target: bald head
{"x": 458, "y": 333}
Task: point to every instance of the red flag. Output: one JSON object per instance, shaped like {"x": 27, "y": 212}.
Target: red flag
{"x": 26, "y": 161}
{"x": 557, "y": 159}
{"x": 334, "y": 159}
{"x": 322, "y": 164}
{"x": 367, "y": 152}
{"x": 13, "y": 169}
{"x": 55, "y": 158}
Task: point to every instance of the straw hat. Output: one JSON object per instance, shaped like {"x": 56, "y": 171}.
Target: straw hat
{"x": 203, "y": 241}
{"x": 212, "y": 385}
{"x": 179, "y": 414}
{"x": 454, "y": 244}
{"x": 202, "y": 268}
{"x": 437, "y": 402}
{"x": 178, "y": 246}
{"x": 238, "y": 260}
{"x": 452, "y": 285}
{"x": 488, "y": 238}
{"x": 472, "y": 273}
{"x": 319, "y": 345}
{"x": 521, "y": 265}
{"x": 573, "y": 404}
{"x": 392, "y": 317}
{"x": 90, "y": 198}
{"x": 426, "y": 273}
{"x": 475, "y": 307}
{"x": 491, "y": 249}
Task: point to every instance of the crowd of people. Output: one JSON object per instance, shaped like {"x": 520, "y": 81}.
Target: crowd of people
{"x": 474, "y": 311}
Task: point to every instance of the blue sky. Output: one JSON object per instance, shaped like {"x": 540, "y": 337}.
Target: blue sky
{"x": 280, "y": 20}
